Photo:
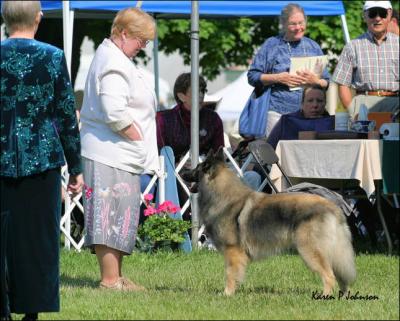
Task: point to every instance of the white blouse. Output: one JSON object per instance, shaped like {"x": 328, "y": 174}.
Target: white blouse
{"x": 116, "y": 95}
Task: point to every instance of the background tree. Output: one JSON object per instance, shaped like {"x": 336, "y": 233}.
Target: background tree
{"x": 224, "y": 42}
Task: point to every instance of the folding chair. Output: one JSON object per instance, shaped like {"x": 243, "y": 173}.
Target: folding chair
{"x": 264, "y": 154}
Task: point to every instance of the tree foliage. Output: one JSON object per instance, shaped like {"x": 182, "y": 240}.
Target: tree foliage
{"x": 224, "y": 42}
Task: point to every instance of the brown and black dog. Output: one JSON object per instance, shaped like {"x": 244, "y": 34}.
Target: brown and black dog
{"x": 246, "y": 225}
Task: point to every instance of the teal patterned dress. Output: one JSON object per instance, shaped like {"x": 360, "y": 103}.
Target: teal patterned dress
{"x": 38, "y": 132}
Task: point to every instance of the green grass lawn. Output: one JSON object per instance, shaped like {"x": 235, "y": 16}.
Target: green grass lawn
{"x": 190, "y": 286}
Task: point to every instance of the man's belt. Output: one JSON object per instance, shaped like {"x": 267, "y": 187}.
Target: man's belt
{"x": 380, "y": 93}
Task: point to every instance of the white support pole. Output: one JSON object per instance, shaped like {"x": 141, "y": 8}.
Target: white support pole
{"x": 345, "y": 29}
{"x": 67, "y": 212}
{"x": 156, "y": 69}
{"x": 68, "y": 30}
{"x": 194, "y": 128}
{"x": 161, "y": 180}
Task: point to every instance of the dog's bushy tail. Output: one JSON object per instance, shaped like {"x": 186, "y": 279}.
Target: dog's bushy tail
{"x": 343, "y": 259}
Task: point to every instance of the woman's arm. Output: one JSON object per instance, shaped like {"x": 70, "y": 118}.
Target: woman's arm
{"x": 283, "y": 78}
{"x": 114, "y": 96}
{"x": 259, "y": 75}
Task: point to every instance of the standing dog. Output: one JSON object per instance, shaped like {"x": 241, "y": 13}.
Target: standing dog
{"x": 246, "y": 225}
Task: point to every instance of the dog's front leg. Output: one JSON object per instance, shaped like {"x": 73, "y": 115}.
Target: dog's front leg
{"x": 235, "y": 267}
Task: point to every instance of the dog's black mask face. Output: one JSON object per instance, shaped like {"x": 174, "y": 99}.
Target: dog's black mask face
{"x": 206, "y": 167}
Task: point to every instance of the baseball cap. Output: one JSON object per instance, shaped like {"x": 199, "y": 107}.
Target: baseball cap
{"x": 380, "y": 4}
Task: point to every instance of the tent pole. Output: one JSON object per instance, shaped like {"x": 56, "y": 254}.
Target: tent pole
{"x": 345, "y": 29}
{"x": 68, "y": 29}
{"x": 68, "y": 18}
{"x": 194, "y": 115}
{"x": 156, "y": 69}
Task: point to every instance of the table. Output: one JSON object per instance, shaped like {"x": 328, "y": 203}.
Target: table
{"x": 359, "y": 159}
{"x": 330, "y": 159}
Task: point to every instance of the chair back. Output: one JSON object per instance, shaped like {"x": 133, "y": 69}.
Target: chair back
{"x": 264, "y": 154}
{"x": 380, "y": 118}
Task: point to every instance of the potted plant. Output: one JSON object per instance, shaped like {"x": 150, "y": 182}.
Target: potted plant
{"x": 161, "y": 230}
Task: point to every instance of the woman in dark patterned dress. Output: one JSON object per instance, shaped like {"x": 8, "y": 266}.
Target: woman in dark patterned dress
{"x": 39, "y": 130}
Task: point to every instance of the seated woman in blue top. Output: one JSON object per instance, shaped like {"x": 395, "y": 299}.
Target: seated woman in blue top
{"x": 312, "y": 116}
{"x": 269, "y": 71}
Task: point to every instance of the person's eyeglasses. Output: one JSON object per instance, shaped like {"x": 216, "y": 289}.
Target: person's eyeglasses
{"x": 143, "y": 43}
{"x": 294, "y": 24}
{"x": 373, "y": 12}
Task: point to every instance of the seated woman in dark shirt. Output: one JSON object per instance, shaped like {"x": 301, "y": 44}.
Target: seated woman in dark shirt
{"x": 311, "y": 117}
{"x": 173, "y": 126}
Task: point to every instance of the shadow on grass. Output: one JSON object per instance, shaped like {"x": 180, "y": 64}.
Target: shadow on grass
{"x": 78, "y": 282}
{"x": 272, "y": 290}
{"x": 171, "y": 289}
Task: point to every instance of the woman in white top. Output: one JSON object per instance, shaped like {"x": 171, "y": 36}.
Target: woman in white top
{"x": 119, "y": 143}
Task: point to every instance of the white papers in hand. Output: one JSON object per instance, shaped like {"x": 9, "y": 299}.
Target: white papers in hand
{"x": 315, "y": 64}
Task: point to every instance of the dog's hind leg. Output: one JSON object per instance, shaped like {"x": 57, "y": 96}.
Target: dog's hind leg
{"x": 235, "y": 267}
{"x": 319, "y": 263}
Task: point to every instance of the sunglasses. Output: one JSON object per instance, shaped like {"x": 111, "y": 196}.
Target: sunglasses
{"x": 373, "y": 12}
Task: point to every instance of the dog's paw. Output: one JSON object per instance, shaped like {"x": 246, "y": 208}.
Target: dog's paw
{"x": 229, "y": 292}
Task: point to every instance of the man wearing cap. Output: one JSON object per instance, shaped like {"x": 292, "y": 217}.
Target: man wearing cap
{"x": 370, "y": 64}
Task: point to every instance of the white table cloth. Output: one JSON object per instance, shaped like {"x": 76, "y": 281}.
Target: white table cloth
{"x": 330, "y": 159}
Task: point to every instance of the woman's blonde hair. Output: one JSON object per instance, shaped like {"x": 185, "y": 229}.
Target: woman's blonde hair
{"x": 19, "y": 15}
{"x": 136, "y": 22}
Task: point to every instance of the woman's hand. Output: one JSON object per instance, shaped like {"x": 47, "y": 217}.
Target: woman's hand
{"x": 131, "y": 132}
{"x": 308, "y": 77}
{"x": 75, "y": 184}
{"x": 290, "y": 80}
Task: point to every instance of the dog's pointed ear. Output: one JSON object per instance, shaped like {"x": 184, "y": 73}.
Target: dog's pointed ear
{"x": 220, "y": 154}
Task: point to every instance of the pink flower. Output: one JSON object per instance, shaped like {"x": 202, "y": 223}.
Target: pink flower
{"x": 150, "y": 211}
{"x": 173, "y": 209}
{"x": 168, "y": 207}
{"x": 163, "y": 207}
{"x": 148, "y": 197}
{"x": 88, "y": 191}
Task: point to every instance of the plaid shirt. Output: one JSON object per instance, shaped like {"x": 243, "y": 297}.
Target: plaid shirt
{"x": 365, "y": 65}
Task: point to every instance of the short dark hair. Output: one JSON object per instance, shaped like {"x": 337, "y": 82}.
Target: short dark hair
{"x": 312, "y": 87}
{"x": 182, "y": 84}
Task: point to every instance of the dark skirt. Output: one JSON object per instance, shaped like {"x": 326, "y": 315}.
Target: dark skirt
{"x": 31, "y": 208}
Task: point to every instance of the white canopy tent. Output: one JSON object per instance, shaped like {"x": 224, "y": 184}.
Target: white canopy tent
{"x": 233, "y": 98}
